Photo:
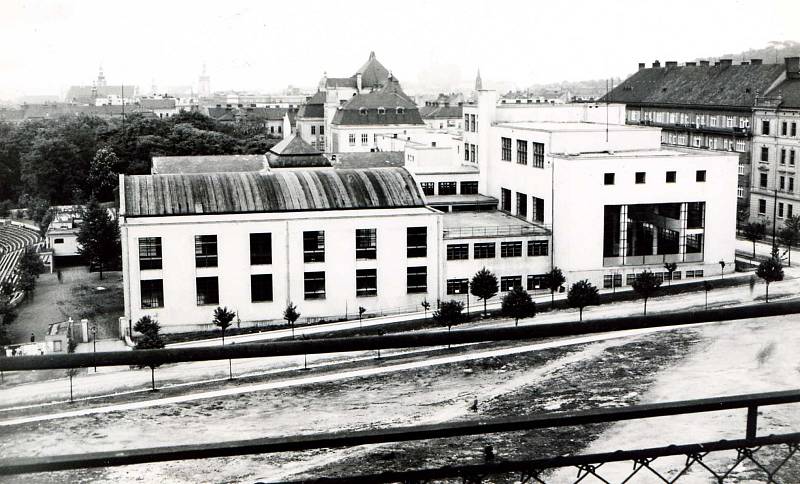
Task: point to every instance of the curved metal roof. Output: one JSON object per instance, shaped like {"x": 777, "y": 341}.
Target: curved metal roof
{"x": 283, "y": 190}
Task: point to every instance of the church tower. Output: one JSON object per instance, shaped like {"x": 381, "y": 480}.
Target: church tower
{"x": 478, "y": 81}
{"x": 101, "y": 79}
{"x": 204, "y": 86}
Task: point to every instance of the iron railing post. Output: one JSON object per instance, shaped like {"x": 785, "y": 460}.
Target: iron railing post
{"x": 752, "y": 422}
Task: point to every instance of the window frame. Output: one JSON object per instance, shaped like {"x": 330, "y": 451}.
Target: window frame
{"x": 311, "y": 255}
{"x": 267, "y": 295}
{"x": 152, "y": 256}
{"x": 511, "y": 248}
{"x": 366, "y": 241}
{"x": 368, "y": 279}
{"x": 206, "y": 280}
{"x": 416, "y": 272}
{"x": 265, "y": 256}
{"x": 414, "y": 247}
{"x": 206, "y": 251}
{"x": 312, "y": 289}
{"x": 143, "y": 300}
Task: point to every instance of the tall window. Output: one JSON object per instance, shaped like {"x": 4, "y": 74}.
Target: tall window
{"x": 505, "y": 151}
{"x": 457, "y": 286}
{"x": 508, "y": 283}
{"x": 511, "y": 249}
{"x": 762, "y": 206}
{"x": 149, "y": 253}
{"x": 366, "y": 282}
{"x": 466, "y": 122}
{"x": 314, "y": 285}
{"x": 505, "y": 199}
{"x": 538, "y": 155}
{"x": 364, "y": 139}
{"x": 366, "y": 243}
{"x": 351, "y": 138}
{"x": 538, "y": 209}
{"x": 261, "y": 287}
{"x": 794, "y": 129}
{"x": 469, "y": 188}
{"x": 784, "y": 128}
{"x": 205, "y": 250}
{"x": 473, "y": 153}
{"x": 457, "y": 251}
{"x": 522, "y": 205}
{"x": 783, "y": 156}
{"x": 417, "y": 279}
{"x": 466, "y": 151}
{"x": 207, "y": 290}
{"x": 321, "y": 130}
{"x": 313, "y": 130}
{"x": 522, "y": 152}
{"x": 764, "y": 127}
{"x": 260, "y": 248}
{"x": 417, "y": 241}
{"x": 781, "y": 182}
{"x": 484, "y": 250}
{"x": 473, "y": 125}
{"x": 763, "y": 181}
{"x": 427, "y": 188}
{"x": 764, "y": 153}
{"x": 447, "y": 188}
{"x": 537, "y": 248}
{"x": 152, "y": 293}
{"x": 314, "y": 246}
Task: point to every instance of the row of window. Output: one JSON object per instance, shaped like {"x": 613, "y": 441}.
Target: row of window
{"x": 785, "y": 183}
{"x": 488, "y": 250}
{"x": 537, "y": 204}
{"x": 704, "y": 141}
{"x": 449, "y": 188}
{"x": 470, "y": 123}
{"x": 351, "y": 139}
{"x": 698, "y": 120}
{"x": 470, "y": 152}
{"x": 787, "y": 128}
{"x": 789, "y": 208}
{"x": 206, "y": 250}
{"x": 615, "y": 280}
{"x": 534, "y": 282}
{"x": 382, "y": 111}
{"x": 537, "y": 151}
{"x": 314, "y": 129}
{"x": 641, "y": 177}
{"x": 784, "y": 155}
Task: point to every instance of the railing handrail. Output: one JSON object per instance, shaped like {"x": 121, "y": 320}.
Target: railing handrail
{"x": 306, "y": 442}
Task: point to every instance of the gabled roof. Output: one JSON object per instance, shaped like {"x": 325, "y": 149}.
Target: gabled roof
{"x": 364, "y": 109}
{"x": 789, "y": 90}
{"x": 441, "y": 112}
{"x": 720, "y": 85}
{"x": 286, "y": 190}
{"x": 314, "y": 107}
{"x": 294, "y": 152}
{"x": 373, "y": 74}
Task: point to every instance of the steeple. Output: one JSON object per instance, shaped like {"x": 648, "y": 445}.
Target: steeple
{"x": 478, "y": 82}
{"x": 101, "y": 79}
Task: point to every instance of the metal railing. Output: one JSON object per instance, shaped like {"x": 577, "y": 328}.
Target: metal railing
{"x": 495, "y": 231}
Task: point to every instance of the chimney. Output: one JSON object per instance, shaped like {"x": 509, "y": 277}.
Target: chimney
{"x": 656, "y": 63}
{"x": 691, "y": 64}
{"x": 641, "y": 65}
{"x": 792, "y": 67}
{"x": 725, "y": 62}
{"x": 755, "y": 62}
{"x": 670, "y": 64}
{"x": 745, "y": 63}
{"x": 358, "y": 81}
{"x": 704, "y": 63}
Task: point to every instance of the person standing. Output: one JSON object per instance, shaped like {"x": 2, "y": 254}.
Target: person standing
{"x": 33, "y": 338}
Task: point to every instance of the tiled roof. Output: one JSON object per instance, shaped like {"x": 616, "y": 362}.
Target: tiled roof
{"x": 720, "y": 85}
{"x": 363, "y": 109}
{"x": 789, "y": 91}
{"x": 441, "y": 112}
{"x": 276, "y": 191}
{"x": 370, "y": 159}
{"x": 293, "y": 145}
{"x": 294, "y": 152}
{"x": 207, "y": 164}
{"x": 314, "y": 107}
{"x": 373, "y": 74}
{"x": 341, "y": 82}
{"x": 157, "y": 103}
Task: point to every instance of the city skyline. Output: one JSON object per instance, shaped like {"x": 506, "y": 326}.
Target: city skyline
{"x": 245, "y": 48}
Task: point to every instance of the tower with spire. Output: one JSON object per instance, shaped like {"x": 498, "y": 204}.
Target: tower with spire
{"x": 101, "y": 78}
{"x": 204, "y": 84}
{"x": 478, "y": 81}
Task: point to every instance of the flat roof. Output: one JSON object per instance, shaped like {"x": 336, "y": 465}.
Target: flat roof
{"x": 667, "y": 152}
{"x": 570, "y": 126}
{"x": 488, "y": 224}
{"x": 459, "y": 199}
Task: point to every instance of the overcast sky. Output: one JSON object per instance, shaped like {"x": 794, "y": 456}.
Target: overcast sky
{"x": 48, "y": 45}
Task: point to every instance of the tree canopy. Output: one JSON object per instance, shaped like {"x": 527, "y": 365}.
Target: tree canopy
{"x": 98, "y": 237}
{"x": 645, "y": 285}
{"x": 483, "y": 286}
{"x": 582, "y": 294}
{"x": 770, "y": 271}
{"x": 517, "y": 304}
{"x": 553, "y": 281}
{"x": 449, "y": 313}
{"x": 223, "y": 319}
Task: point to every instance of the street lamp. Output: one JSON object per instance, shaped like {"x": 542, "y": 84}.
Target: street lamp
{"x": 94, "y": 343}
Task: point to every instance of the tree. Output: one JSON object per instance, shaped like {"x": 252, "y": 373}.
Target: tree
{"x": 223, "y": 319}
{"x": 71, "y": 372}
{"x": 789, "y": 235}
{"x": 28, "y": 270}
{"x": 103, "y": 174}
{"x": 149, "y": 340}
{"x": 291, "y": 315}
{"x": 483, "y": 286}
{"x": 517, "y": 303}
{"x": 754, "y": 231}
{"x": 44, "y": 223}
{"x": 361, "y": 311}
{"x": 670, "y": 268}
{"x": 553, "y": 280}
{"x": 449, "y": 313}
{"x": 98, "y": 238}
{"x": 771, "y": 271}
{"x": 645, "y": 285}
{"x": 425, "y": 306}
{"x": 582, "y": 294}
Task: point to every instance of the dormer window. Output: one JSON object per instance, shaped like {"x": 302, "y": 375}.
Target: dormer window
{"x": 381, "y": 110}
{"x": 401, "y": 110}
{"x": 362, "y": 111}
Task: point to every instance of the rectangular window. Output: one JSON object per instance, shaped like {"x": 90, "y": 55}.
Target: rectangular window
{"x": 791, "y": 158}
{"x": 764, "y": 153}
{"x": 537, "y": 282}
{"x": 782, "y": 182}
{"x": 466, "y": 122}
{"x": 321, "y": 129}
{"x": 417, "y": 279}
{"x": 447, "y": 188}
{"x": 510, "y": 249}
{"x": 207, "y": 290}
{"x": 260, "y": 249}
{"x": 538, "y": 154}
{"x": 780, "y": 209}
{"x": 508, "y": 283}
{"x": 640, "y": 177}
{"x": 473, "y": 125}
{"x": 783, "y": 156}
{"x": 700, "y": 176}
{"x": 205, "y": 250}
{"x": 261, "y": 287}
{"x": 522, "y": 205}
{"x": 538, "y": 209}
{"x": 791, "y": 184}
{"x": 670, "y": 177}
{"x": 784, "y": 128}
{"x": 629, "y": 279}
{"x": 763, "y": 181}
{"x": 366, "y": 282}
{"x": 466, "y": 151}
{"x": 612, "y": 280}
{"x": 537, "y": 248}
{"x": 739, "y": 192}
{"x": 427, "y": 188}
{"x": 457, "y": 286}
{"x": 313, "y": 130}
{"x": 366, "y": 243}
{"x": 417, "y": 241}
{"x": 794, "y": 129}
{"x": 741, "y": 169}
{"x": 150, "y": 253}
{"x": 505, "y": 151}
{"x": 351, "y": 138}
{"x": 762, "y": 206}
{"x": 789, "y": 210}
{"x": 314, "y": 246}
{"x": 505, "y": 199}
{"x": 483, "y": 250}
{"x": 469, "y": 188}
{"x": 364, "y": 139}
{"x": 764, "y": 127}
{"x": 152, "y": 293}
{"x": 740, "y": 146}
{"x": 522, "y": 152}
{"x": 314, "y": 285}
{"x": 457, "y": 251}
{"x": 608, "y": 179}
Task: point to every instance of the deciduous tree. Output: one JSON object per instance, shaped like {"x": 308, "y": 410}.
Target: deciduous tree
{"x": 770, "y": 271}
{"x": 98, "y": 237}
{"x": 754, "y": 231}
{"x": 645, "y": 285}
{"x": 517, "y": 304}
{"x": 483, "y": 286}
{"x": 553, "y": 280}
{"x": 291, "y": 315}
{"x": 582, "y": 294}
{"x": 449, "y": 313}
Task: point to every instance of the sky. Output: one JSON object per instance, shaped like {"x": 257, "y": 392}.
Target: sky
{"x": 48, "y": 45}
